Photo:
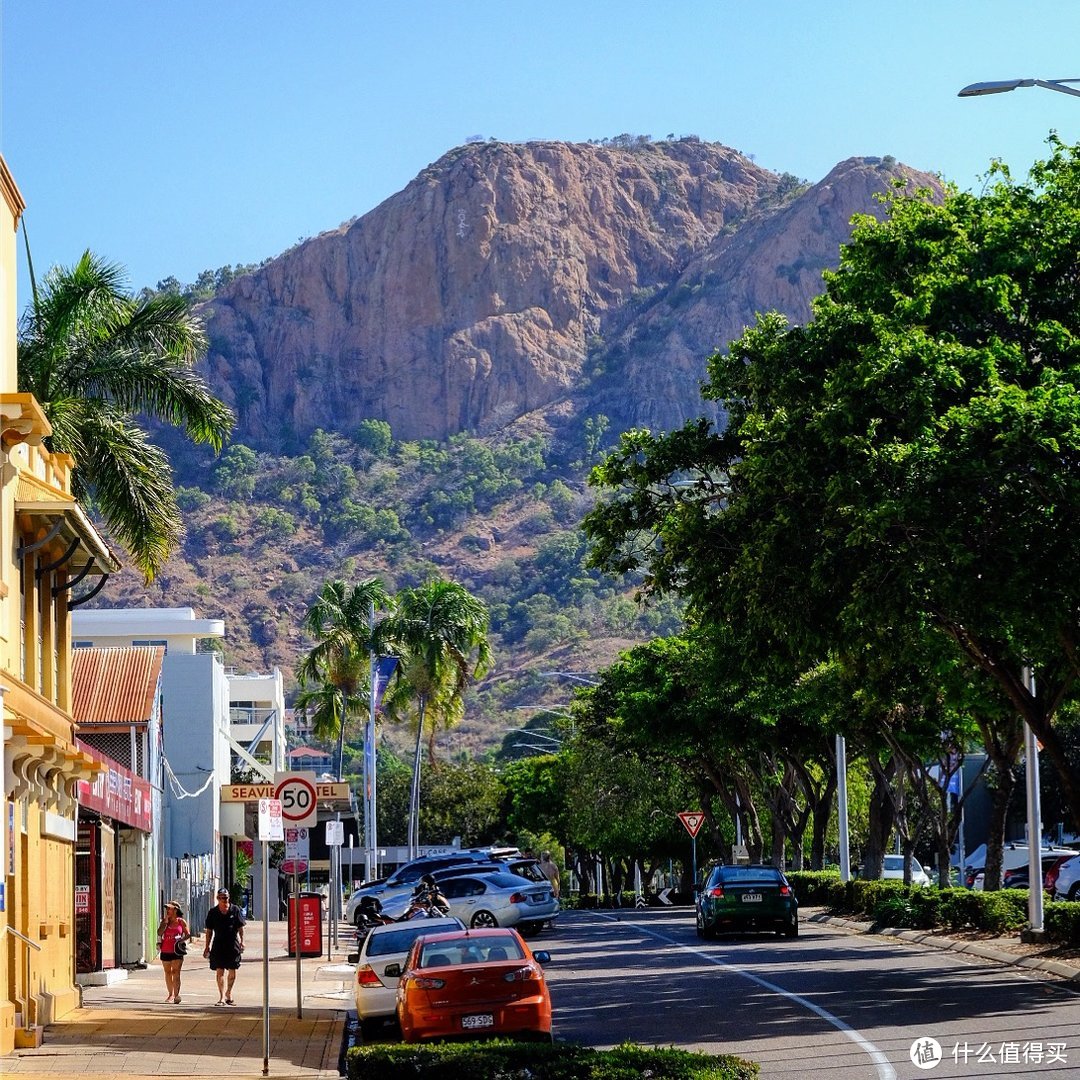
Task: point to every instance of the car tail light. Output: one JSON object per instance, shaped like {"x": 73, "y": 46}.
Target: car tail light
{"x": 518, "y": 898}
{"x": 785, "y": 890}
{"x": 717, "y": 893}
{"x": 523, "y": 974}
{"x": 426, "y": 982}
{"x": 365, "y": 976}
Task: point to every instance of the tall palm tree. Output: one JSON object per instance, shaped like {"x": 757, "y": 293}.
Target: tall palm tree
{"x": 335, "y": 670}
{"x": 94, "y": 358}
{"x": 440, "y": 631}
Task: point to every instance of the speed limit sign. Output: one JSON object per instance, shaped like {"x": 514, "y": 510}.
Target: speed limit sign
{"x": 299, "y": 804}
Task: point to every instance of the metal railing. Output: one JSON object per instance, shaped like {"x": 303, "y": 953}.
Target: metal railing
{"x": 29, "y": 985}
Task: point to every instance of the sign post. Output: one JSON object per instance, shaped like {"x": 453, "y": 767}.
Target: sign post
{"x": 692, "y": 821}
{"x": 299, "y": 807}
{"x": 335, "y": 837}
{"x": 270, "y": 828}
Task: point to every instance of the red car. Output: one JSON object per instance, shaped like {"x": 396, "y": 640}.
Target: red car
{"x": 473, "y": 983}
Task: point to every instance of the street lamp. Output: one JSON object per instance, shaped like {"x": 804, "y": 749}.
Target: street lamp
{"x": 1003, "y": 86}
{"x": 1034, "y": 810}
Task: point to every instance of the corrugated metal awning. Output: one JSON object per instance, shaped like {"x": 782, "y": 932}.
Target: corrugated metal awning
{"x": 115, "y": 686}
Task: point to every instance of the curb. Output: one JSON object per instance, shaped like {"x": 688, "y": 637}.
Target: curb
{"x": 1069, "y": 972}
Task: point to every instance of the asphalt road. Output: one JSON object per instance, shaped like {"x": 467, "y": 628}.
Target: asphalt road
{"x": 827, "y": 1004}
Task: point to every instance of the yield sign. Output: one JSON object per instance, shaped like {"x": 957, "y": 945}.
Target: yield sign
{"x": 692, "y": 820}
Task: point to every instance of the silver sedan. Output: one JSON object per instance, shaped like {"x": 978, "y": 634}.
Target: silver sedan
{"x": 493, "y": 899}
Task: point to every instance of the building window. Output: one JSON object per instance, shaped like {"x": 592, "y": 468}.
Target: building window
{"x": 82, "y": 644}
{"x": 162, "y": 643}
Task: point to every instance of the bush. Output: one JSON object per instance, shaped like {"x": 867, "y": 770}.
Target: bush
{"x": 813, "y": 886}
{"x": 1061, "y": 920}
{"x": 1004, "y": 909}
{"x": 564, "y": 1061}
{"x": 891, "y": 903}
{"x": 866, "y": 895}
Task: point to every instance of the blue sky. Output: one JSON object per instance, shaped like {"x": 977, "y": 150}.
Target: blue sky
{"x": 178, "y": 135}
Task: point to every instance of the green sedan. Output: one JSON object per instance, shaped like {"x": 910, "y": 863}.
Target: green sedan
{"x": 736, "y": 898}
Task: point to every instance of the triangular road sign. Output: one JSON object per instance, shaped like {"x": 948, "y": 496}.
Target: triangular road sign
{"x": 692, "y": 821}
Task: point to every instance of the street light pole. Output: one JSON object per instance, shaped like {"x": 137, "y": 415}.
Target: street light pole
{"x": 1003, "y": 86}
{"x": 1034, "y": 809}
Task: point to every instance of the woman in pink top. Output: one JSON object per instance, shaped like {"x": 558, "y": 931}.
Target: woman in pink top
{"x": 171, "y": 930}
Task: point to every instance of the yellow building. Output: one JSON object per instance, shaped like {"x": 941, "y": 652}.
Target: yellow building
{"x": 51, "y": 557}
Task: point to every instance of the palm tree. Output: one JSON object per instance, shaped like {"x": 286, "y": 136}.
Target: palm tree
{"x": 440, "y": 631}
{"x": 334, "y": 671}
{"x": 94, "y": 357}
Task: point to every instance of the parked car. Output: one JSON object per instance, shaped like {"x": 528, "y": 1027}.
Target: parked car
{"x": 1015, "y": 875}
{"x": 1013, "y": 856}
{"x": 479, "y": 982}
{"x": 379, "y": 965}
{"x": 403, "y": 880}
{"x": 747, "y": 898}
{"x": 494, "y": 898}
{"x": 893, "y": 869}
{"x": 1067, "y": 885}
{"x": 1051, "y": 875}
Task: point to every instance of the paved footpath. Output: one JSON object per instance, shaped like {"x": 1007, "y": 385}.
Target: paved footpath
{"x": 126, "y": 1030}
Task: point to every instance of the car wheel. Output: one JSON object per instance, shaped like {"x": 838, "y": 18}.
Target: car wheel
{"x": 528, "y": 929}
{"x": 370, "y": 1026}
{"x": 484, "y": 919}
{"x": 1074, "y": 892}
{"x": 792, "y": 930}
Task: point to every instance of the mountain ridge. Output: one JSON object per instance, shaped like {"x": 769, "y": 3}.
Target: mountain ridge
{"x": 579, "y": 296}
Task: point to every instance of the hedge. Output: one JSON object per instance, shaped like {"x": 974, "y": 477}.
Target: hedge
{"x": 812, "y": 886}
{"x": 891, "y": 903}
{"x": 1061, "y": 920}
{"x": 540, "y": 1061}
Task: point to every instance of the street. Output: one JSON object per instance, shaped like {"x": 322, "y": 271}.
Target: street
{"x": 826, "y": 1004}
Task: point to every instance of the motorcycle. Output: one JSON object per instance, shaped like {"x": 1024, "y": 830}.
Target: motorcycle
{"x": 425, "y": 903}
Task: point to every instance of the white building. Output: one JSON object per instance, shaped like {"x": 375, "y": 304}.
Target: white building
{"x": 213, "y": 721}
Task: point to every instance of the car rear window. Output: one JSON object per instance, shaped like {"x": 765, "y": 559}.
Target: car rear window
{"x": 756, "y": 875}
{"x": 508, "y": 881}
{"x": 400, "y": 941}
{"x": 466, "y": 950}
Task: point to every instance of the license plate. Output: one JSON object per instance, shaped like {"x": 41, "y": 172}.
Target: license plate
{"x": 478, "y": 1020}
{"x": 751, "y": 898}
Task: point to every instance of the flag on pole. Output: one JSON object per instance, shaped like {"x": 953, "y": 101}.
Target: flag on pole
{"x": 384, "y": 668}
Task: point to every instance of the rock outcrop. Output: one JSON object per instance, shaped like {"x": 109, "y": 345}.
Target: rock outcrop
{"x": 541, "y": 278}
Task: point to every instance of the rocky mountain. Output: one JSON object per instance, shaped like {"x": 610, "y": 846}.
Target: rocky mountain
{"x": 506, "y": 297}
{"x": 510, "y": 279}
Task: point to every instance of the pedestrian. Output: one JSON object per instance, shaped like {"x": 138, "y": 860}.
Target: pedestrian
{"x": 550, "y": 871}
{"x": 172, "y": 937}
{"x": 224, "y": 944}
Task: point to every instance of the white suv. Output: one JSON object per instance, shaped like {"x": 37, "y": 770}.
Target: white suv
{"x": 1067, "y": 886}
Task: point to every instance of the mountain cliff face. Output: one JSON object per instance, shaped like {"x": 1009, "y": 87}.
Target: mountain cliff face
{"x": 551, "y": 279}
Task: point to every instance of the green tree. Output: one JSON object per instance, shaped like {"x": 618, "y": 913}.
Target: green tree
{"x": 911, "y": 456}
{"x": 335, "y": 671}
{"x": 440, "y": 631}
{"x": 462, "y": 799}
{"x": 95, "y": 358}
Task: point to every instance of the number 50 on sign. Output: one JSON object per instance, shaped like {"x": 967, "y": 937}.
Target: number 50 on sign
{"x": 299, "y": 803}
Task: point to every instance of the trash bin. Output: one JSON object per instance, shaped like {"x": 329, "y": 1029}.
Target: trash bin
{"x": 305, "y": 911}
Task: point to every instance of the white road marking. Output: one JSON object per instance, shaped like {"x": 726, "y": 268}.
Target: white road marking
{"x": 885, "y": 1071}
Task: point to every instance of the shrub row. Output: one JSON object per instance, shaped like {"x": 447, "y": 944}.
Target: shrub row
{"x": 561, "y": 1061}
{"x": 890, "y": 903}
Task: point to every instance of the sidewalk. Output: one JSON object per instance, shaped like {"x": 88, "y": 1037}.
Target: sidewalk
{"x": 127, "y": 1030}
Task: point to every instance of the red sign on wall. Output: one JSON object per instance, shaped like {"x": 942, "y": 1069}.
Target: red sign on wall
{"x": 116, "y": 793}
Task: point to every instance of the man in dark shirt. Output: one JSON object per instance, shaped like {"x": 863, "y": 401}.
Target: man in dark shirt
{"x": 224, "y": 944}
